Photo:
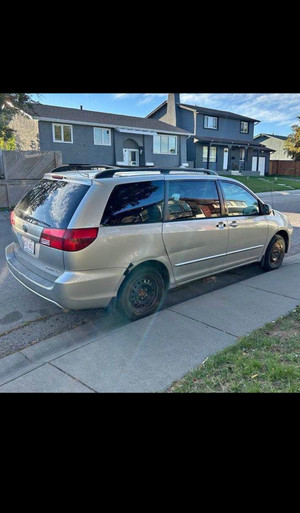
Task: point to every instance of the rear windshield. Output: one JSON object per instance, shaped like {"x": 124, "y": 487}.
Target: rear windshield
{"x": 51, "y": 203}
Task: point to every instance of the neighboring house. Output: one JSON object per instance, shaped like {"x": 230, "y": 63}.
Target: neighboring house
{"x": 221, "y": 141}
{"x": 281, "y": 163}
{"x": 95, "y": 138}
{"x": 276, "y": 143}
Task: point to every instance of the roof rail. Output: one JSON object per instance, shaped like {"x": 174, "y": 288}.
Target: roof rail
{"x": 81, "y": 167}
{"x": 109, "y": 173}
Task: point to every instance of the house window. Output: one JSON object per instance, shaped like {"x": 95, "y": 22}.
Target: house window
{"x": 212, "y": 154}
{"x": 211, "y": 122}
{"x": 102, "y": 136}
{"x": 62, "y": 133}
{"x": 244, "y": 127}
{"x": 166, "y": 144}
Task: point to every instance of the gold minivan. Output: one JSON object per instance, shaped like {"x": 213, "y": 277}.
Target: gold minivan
{"x": 85, "y": 238}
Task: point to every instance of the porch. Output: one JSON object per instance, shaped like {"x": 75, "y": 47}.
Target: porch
{"x": 233, "y": 157}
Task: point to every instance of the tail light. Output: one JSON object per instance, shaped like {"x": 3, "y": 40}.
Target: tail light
{"x": 68, "y": 240}
{"x": 12, "y": 218}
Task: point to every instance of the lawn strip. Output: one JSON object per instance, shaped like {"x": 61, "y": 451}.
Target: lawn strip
{"x": 267, "y": 360}
{"x": 267, "y": 183}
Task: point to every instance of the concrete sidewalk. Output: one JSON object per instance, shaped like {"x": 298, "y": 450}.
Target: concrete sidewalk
{"x": 150, "y": 354}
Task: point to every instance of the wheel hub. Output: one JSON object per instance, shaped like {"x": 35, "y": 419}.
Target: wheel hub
{"x": 143, "y": 293}
{"x": 276, "y": 252}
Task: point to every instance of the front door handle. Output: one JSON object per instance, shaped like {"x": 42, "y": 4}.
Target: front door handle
{"x": 221, "y": 225}
{"x": 234, "y": 224}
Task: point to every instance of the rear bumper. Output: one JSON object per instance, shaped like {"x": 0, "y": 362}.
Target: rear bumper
{"x": 78, "y": 290}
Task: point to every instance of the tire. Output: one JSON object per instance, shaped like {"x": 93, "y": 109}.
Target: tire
{"x": 274, "y": 254}
{"x": 142, "y": 293}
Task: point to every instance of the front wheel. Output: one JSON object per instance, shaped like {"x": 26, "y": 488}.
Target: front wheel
{"x": 274, "y": 254}
{"x": 142, "y": 293}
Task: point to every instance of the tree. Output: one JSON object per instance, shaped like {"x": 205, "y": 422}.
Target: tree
{"x": 292, "y": 144}
{"x": 8, "y": 144}
{"x": 10, "y": 104}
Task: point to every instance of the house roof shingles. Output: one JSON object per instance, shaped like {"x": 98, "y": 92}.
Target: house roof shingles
{"x": 208, "y": 111}
{"x": 267, "y": 136}
{"x": 215, "y": 112}
{"x": 51, "y": 112}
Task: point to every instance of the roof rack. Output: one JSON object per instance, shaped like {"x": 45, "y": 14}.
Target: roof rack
{"x": 81, "y": 167}
{"x": 109, "y": 173}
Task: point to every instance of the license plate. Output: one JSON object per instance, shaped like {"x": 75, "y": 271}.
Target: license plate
{"x": 29, "y": 245}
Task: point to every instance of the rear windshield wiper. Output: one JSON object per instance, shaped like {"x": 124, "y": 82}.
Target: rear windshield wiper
{"x": 38, "y": 221}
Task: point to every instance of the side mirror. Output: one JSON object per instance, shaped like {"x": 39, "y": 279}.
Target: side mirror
{"x": 266, "y": 209}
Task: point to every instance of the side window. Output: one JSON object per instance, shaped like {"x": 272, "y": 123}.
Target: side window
{"x": 238, "y": 201}
{"x": 135, "y": 203}
{"x": 193, "y": 199}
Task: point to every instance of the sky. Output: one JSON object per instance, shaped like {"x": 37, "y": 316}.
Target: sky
{"x": 277, "y": 112}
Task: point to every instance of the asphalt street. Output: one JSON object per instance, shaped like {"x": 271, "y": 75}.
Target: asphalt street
{"x": 26, "y": 318}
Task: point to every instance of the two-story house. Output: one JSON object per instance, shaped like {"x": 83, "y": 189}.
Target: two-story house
{"x": 95, "y": 138}
{"x": 221, "y": 141}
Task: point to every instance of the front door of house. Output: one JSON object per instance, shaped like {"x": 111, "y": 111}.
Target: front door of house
{"x": 131, "y": 157}
{"x": 261, "y": 165}
{"x": 254, "y": 163}
{"x": 225, "y": 159}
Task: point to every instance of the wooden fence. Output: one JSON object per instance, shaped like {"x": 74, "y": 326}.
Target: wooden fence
{"x": 284, "y": 167}
{"x": 20, "y": 170}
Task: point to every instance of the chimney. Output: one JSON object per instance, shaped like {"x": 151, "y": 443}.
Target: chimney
{"x": 173, "y": 101}
{"x": 81, "y": 107}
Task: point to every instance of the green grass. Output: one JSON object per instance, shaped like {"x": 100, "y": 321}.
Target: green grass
{"x": 268, "y": 183}
{"x": 268, "y": 360}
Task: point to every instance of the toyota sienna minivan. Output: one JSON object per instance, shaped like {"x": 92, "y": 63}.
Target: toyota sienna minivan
{"x": 83, "y": 239}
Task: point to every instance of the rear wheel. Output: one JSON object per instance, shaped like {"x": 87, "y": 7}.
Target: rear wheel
{"x": 274, "y": 254}
{"x": 142, "y": 293}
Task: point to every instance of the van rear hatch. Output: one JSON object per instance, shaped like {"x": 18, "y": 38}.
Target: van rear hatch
{"x": 40, "y": 221}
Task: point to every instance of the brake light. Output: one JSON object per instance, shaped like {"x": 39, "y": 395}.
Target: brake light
{"x": 74, "y": 240}
{"x": 52, "y": 237}
{"x": 68, "y": 240}
{"x": 12, "y": 218}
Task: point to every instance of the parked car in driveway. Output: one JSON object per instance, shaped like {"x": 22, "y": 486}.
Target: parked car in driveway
{"x": 84, "y": 238}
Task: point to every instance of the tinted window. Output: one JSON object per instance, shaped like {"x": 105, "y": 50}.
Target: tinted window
{"x": 51, "y": 203}
{"x": 134, "y": 203}
{"x": 238, "y": 201}
{"x": 193, "y": 200}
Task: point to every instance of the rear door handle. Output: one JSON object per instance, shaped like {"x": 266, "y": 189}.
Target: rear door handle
{"x": 221, "y": 225}
{"x": 234, "y": 224}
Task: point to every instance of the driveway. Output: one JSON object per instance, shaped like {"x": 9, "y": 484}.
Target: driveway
{"x": 26, "y": 318}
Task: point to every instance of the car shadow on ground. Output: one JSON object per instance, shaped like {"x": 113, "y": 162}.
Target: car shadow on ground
{"x": 210, "y": 284}
{"x": 105, "y": 320}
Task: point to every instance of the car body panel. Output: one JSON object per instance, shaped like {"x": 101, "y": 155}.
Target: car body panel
{"x": 71, "y": 290}
{"x": 45, "y": 261}
{"x": 195, "y": 247}
{"x": 247, "y": 239}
